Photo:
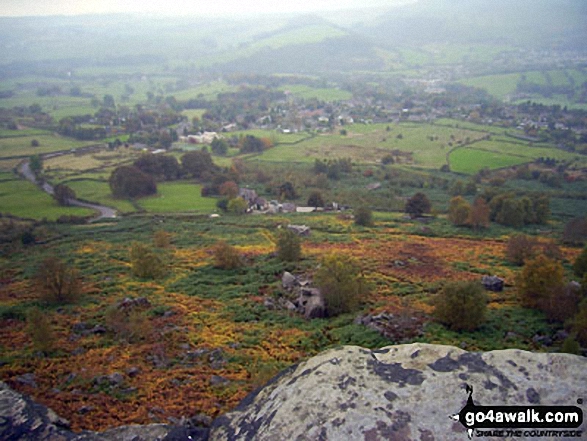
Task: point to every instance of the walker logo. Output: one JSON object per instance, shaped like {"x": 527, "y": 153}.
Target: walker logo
{"x": 514, "y": 421}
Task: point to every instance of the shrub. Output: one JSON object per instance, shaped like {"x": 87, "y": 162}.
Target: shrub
{"x": 519, "y": 248}
{"x": 162, "y": 239}
{"x": 580, "y": 265}
{"x": 459, "y": 211}
{"x": 289, "y": 248}
{"x": 237, "y": 206}
{"x": 63, "y": 194}
{"x": 57, "y": 282}
{"x": 364, "y": 216}
{"x": 540, "y": 279}
{"x": 40, "y": 331}
{"x": 562, "y": 303}
{"x": 145, "y": 263}
{"x": 131, "y": 326}
{"x": 479, "y": 214}
{"x": 579, "y": 324}
{"x": 575, "y": 232}
{"x": 341, "y": 283}
{"x": 226, "y": 256}
{"x": 571, "y": 346}
{"x": 461, "y": 306}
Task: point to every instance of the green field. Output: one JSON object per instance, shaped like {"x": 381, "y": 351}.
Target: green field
{"x": 323, "y": 94}
{"x": 471, "y": 160}
{"x": 176, "y": 197}
{"x": 21, "y": 146}
{"x": 22, "y": 199}
{"x": 499, "y": 86}
{"x": 207, "y": 91}
{"x": 99, "y": 192}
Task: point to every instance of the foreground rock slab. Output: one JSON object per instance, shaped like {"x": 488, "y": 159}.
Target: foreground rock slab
{"x": 405, "y": 392}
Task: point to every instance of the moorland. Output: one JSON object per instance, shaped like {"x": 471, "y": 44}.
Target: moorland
{"x": 420, "y": 162}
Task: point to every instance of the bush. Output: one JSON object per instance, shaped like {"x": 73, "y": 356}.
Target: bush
{"x": 226, "y": 256}
{"x": 236, "y": 206}
{"x": 579, "y": 324}
{"x": 57, "y": 282}
{"x": 459, "y": 211}
{"x": 364, "y": 216}
{"x": 562, "y": 303}
{"x": 40, "y": 331}
{"x": 145, "y": 263}
{"x": 162, "y": 239}
{"x": 461, "y": 306}
{"x": 580, "y": 265}
{"x": 289, "y": 248}
{"x": 315, "y": 199}
{"x": 63, "y": 194}
{"x": 571, "y": 346}
{"x": 341, "y": 283}
{"x": 519, "y": 248}
{"x": 540, "y": 279}
{"x": 131, "y": 326}
{"x": 575, "y": 232}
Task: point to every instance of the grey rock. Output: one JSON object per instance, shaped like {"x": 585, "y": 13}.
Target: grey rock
{"x": 404, "y": 392}
{"x": 311, "y": 303}
{"x": 288, "y": 281}
{"x": 28, "y": 379}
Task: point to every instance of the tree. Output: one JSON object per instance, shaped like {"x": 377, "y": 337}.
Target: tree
{"x": 160, "y": 167}
{"x": 108, "y": 101}
{"x": 226, "y": 256}
{"x": 63, "y": 194}
{"x": 461, "y": 306}
{"x": 237, "y": 206}
{"x": 580, "y": 265}
{"x": 287, "y": 191}
{"x": 131, "y": 182}
{"x": 459, "y": 211}
{"x": 315, "y": 199}
{"x": 36, "y": 164}
{"x": 364, "y": 216}
{"x": 418, "y": 205}
{"x": 145, "y": 264}
{"x": 289, "y": 247}
{"x": 575, "y": 232}
{"x": 579, "y": 323}
{"x": 519, "y": 248}
{"x": 35, "y": 143}
{"x": 479, "y": 214}
{"x": 229, "y": 189}
{"x": 219, "y": 147}
{"x": 540, "y": 279}
{"x": 198, "y": 164}
{"x": 341, "y": 283}
{"x": 57, "y": 282}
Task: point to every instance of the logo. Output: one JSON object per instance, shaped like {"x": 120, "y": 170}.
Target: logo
{"x": 518, "y": 421}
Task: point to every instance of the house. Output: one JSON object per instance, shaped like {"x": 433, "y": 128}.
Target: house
{"x": 250, "y": 196}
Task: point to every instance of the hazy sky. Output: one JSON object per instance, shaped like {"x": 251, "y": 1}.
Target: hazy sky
{"x": 174, "y": 7}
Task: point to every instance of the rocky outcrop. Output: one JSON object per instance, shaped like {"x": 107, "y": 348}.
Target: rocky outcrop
{"x": 405, "y": 392}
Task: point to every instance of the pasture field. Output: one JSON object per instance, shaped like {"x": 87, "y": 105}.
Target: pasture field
{"x": 367, "y": 144}
{"x": 191, "y": 113}
{"x": 6, "y": 133}
{"x": 323, "y": 94}
{"x": 174, "y": 197}
{"x": 306, "y": 35}
{"x": 99, "y": 192}
{"x": 23, "y": 199}
{"x": 21, "y": 146}
{"x": 207, "y": 91}
{"x": 499, "y": 86}
{"x": 471, "y": 160}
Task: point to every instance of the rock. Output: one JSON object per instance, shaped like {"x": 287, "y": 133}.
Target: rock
{"x": 288, "y": 281}
{"x": 133, "y": 371}
{"x": 404, "y": 392}
{"x": 21, "y": 419}
{"x": 128, "y": 304}
{"x": 217, "y": 380}
{"x": 300, "y": 230}
{"x": 492, "y": 283}
{"x": 311, "y": 303}
{"x": 27, "y": 380}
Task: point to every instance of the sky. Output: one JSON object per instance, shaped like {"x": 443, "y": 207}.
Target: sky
{"x": 182, "y": 7}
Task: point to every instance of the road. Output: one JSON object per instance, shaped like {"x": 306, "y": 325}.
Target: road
{"x": 105, "y": 212}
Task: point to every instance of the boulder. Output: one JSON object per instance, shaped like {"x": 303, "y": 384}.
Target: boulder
{"x": 288, "y": 281}
{"x": 311, "y": 303}
{"x": 405, "y": 392}
{"x": 492, "y": 283}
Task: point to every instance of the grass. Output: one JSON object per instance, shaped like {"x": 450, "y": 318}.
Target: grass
{"x": 22, "y": 199}
{"x": 21, "y": 146}
{"x": 178, "y": 197}
{"x": 99, "y": 192}
{"x": 471, "y": 160}
{"x": 323, "y": 94}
